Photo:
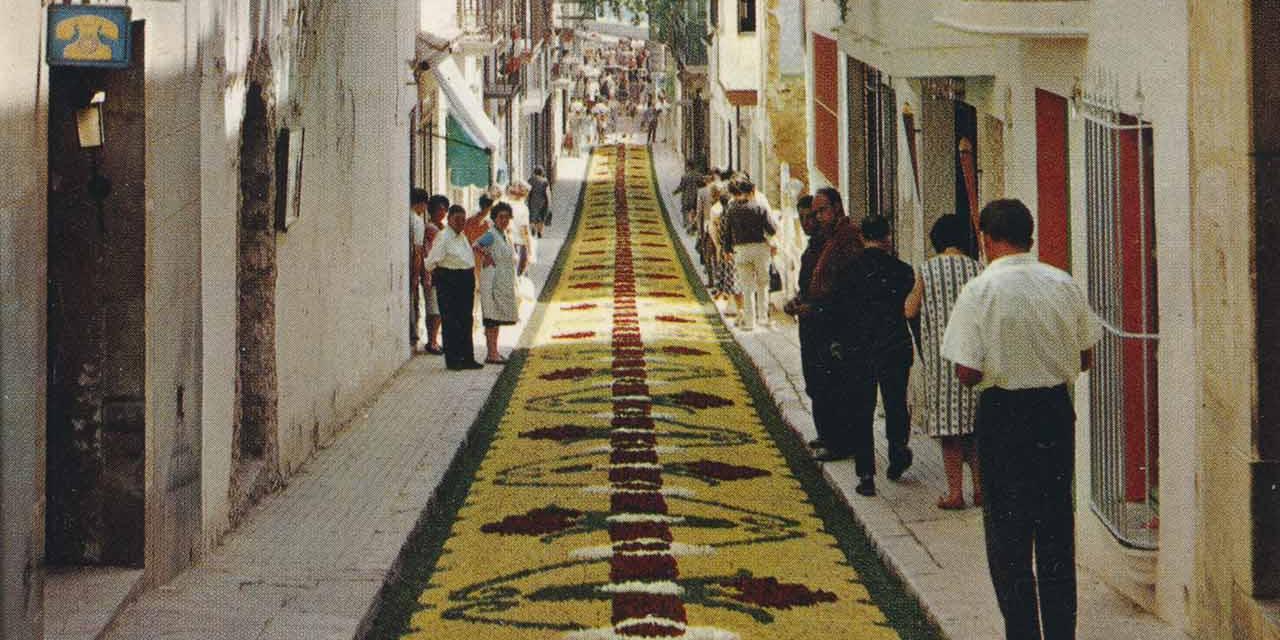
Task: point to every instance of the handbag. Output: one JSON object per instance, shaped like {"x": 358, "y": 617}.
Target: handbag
{"x": 775, "y": 279}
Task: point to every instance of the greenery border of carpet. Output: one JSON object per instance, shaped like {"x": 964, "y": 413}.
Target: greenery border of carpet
{"x": 411, "y": 574}
{"x": 888, "y": 591}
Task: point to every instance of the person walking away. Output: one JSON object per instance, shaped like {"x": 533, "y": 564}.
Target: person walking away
{"x": 437, "y": 211}
{"x": 498, "y": 305}
{"x": 949, "y": 405}
{"x": 704, "y": 205}
{"x": 833, "y": 364}
{"x": 750, "y": 227}
{"x": 651, "y": 123}
{"x": 688, "y": 188}
{"x": 419, "y": 279}
{"x": 539, "y": 201}
{"x": 1021, "y": 332}
{"x": 878, "y": 325}
{"x": 453, "y": 271}
{"x": 521, "y": 228}
{"x": 725, "y": 279}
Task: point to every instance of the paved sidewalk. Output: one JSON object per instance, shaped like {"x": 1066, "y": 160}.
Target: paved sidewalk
{"x": 310, "y": 561}
{"x": 940, "y": 555}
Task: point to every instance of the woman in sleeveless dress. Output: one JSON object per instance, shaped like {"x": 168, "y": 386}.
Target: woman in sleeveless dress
{"x": 950, "y": 406}
{"x": 498, "y": 304}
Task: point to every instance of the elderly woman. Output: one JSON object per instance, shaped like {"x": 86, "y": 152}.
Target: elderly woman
{"x": 950, "y": 405}
{"x": 497, "y": 280}
{"x": 521, "y": 226}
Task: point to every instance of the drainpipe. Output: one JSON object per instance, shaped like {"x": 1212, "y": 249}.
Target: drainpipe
{"x": 737, "y": 129}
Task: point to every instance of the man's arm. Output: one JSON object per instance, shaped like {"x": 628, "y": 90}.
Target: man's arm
{"x": 1086, "y": 359}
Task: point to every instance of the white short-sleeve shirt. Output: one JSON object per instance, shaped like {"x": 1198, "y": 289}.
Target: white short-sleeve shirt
{"x": 417, "y": 228}
{"x": 1022, "y": 323}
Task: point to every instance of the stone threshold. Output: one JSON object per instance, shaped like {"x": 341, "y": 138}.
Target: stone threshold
{"x": 80, "y": 602}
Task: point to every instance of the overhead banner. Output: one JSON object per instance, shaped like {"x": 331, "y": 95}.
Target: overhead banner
{"x": 88, "y": 36}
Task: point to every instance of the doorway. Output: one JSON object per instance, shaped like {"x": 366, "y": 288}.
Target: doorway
{"x": 96, "y": 375}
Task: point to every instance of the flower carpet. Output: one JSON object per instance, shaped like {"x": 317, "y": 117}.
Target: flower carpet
{"x": 632, "y": 488}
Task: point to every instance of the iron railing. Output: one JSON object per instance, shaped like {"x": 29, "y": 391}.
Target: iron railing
{"x": 1122, "y": 387}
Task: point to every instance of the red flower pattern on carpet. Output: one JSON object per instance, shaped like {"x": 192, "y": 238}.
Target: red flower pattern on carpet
{"x": 580, "y": 307}
{"x": 699, "y": 400}
{"x": 561, "y": 433}
{"x": 573, "y": 336}
{"x": 684, "y": 351}
{"x": 588, "y": 285}
{"x": 672, "y": 319}
{"x": 535, "y": 522}
{"x": 572, "y": 373}
{"x": 721, "y": 471}
{"x": 768, "y": 592}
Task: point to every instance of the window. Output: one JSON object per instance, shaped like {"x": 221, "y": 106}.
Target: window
{"x": 746, "y": 16}
{"x": 1124, "y": 426}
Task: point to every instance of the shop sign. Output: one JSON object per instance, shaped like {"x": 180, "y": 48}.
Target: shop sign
{"x": 88, "y": 36}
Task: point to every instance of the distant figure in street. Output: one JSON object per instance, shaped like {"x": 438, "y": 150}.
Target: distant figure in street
{"x": 950, "y": 406}
{"x": 725, "y": 278}
{"x": 747, "y": 244}
{"x": 498, "y": 305}
{"x": 877, "y": 324}
{"x": 539, "y": 201}
{"x": 452, "y": 265}
{"x": 437, "y": 210}
{"x": 419, "y": 277}
{"x": 688, "y": 192}
{"x": 521, "y": 226}
{"x": 1021, "y": 332}
{"x": 651, "y": 123}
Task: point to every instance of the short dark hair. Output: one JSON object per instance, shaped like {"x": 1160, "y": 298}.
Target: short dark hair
{"x": 734, "y": 187}
{"x": 457, "y": 208}
{"x": 875, "y": 227}
{"x": 485, "y": 202}
{"x": 540, "y": 172}
{"x": 725, "y": 174}
{"x": 499, "y": 208}
{"x": 833, "y": 196}
{"x": 745, "y": 185}
{"x": 950, "y": 230}
{"x": 418, "y": 196}
{"x": 1007, "y": 220}
{"x": 805, "y": 202}
{"x": 437, "y": 202}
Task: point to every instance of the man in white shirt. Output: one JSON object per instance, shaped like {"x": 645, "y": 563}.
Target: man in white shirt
{"x": 452, "y": 264}
{"x": 419, "y": 281}
{"x": 1021, "y": 332}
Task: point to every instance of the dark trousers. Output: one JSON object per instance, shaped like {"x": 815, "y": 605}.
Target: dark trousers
{"x": 455, "y": 291}
{"x": 1026, "y": 447}
{"x": 824, "y": 382}
{"x": 889, "y": 373}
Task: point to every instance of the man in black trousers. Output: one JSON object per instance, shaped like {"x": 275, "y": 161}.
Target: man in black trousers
{"x": 1022, "y": 331}
{"x": 880, "y": 285}
{"x": 452, "y": 264}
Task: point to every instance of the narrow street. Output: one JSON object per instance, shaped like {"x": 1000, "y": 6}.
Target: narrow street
{"x": 639, "y": 480}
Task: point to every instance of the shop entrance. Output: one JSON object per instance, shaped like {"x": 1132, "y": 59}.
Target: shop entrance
{"x": 96, "y": 413}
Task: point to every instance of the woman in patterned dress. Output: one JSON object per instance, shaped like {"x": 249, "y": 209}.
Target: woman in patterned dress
{"x": 722, "y": 270}
{"x": 498, "y": 304}
{"x": 950, "y": 405}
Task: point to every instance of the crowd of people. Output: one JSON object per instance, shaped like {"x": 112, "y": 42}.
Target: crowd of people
{"x": 999, "y": 348}
{"x": 614, "y": 92}
{"x": 461, "y": 262}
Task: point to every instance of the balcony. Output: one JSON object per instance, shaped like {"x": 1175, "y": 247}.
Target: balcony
{"x": 481, "y": 23}
{"x": 504, "y": 87}
{"x": 1019, "y": 18}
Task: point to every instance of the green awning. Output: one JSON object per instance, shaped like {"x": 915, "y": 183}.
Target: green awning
{"x": 467, "y": 160}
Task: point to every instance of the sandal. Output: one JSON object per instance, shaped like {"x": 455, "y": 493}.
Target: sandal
{"x": 950, "y": 505}
{"x": 435, "y": 351}
{"x": 498, "y": 360}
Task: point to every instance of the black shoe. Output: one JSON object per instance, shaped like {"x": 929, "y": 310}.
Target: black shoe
{"x": 816, "y": 443}
{"x": 464, "y": 366}
{"x": 827, "y": 455}
{"x": 900, "y": 464}
{"x": 866, "y": 486}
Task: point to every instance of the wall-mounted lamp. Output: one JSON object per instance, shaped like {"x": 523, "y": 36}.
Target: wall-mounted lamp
{"x": 89, "y": 122}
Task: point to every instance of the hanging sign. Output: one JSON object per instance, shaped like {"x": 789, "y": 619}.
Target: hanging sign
{"x": 88, "y": 36}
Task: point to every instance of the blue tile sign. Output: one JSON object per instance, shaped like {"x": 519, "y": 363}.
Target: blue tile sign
{"x": 88, "y": 36}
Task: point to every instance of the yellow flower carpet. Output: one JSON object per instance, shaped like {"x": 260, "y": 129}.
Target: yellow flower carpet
{"x": 631, "y": 489}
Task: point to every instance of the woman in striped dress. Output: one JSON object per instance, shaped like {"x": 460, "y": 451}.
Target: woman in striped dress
{"x": 950, "y": 405}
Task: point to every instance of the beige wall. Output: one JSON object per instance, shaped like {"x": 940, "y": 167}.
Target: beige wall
{"x": 23, "y": 220}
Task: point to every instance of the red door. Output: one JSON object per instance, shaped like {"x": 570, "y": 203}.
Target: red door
{"x": 1054, "y": 237}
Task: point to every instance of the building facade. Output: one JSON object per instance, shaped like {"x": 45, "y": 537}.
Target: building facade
{"x": 201, "y": 299}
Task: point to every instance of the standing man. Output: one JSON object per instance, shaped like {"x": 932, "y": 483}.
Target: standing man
{"x": 437, "y": 209}
{"x": 452, "y": 265}
{"x": 419, "y": 277}
{"x": 881, "y": 284}
{"x": 1021, "y": 331}
{"x": 688, "y": 191}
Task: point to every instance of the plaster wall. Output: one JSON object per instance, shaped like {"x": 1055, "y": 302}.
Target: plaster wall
{"x": 1223, "y": 272}
{"x": 23, "y": 222}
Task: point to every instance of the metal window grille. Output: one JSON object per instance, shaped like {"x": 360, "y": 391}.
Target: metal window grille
{"x": 1121, "y": 243}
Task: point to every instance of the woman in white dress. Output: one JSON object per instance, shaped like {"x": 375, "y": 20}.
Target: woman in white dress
{"x": 498, "y": 306}
{"x": 521, "y": 228}
{"x": 950, "y": 405}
